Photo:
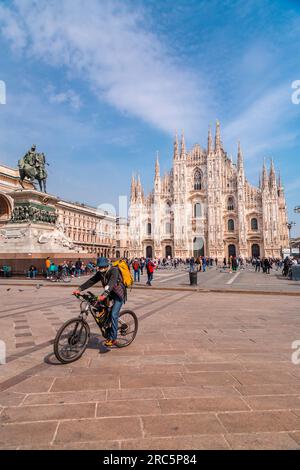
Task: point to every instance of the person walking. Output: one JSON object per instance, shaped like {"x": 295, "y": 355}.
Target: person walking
{"x": 192, "y": 264}
{"x": 267, "y": 266}
{"x": 136, "y": 269}
{"x": 78, "y": 266}
{"x": 65, "y": 267}
{"x": 150, "y": 270}
{"x": 48, "y": 264}
{"x": 53, "y": 270}
{"x": 70, "y": 268}
{"x": 234, "y": 263}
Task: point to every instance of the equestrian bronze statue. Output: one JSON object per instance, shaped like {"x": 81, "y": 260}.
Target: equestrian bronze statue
{"x": 32, "y": 166}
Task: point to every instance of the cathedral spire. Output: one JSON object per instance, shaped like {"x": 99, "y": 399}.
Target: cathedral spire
{"x": 272, "y": 176}
{"x": 133, "y": 186}
{"x": 240, "y": 158}
{"x": 217, "y": 137}
{"x": 157, "y": 168}
{"x": 280, "y": 185}
{"x": 176, "y": 147}
{"x": 279, "y": 180}
{"x": 139, "y": 187}
{"x": 209, "y": 141}
{"x": 264, "y": 176}
{"x": 183, "y": 149}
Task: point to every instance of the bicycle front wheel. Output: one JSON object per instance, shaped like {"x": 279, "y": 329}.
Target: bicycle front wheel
{"x": 66, "y": 278}
{"x": 71, "y": 340}
{"x": 127, "y": 328}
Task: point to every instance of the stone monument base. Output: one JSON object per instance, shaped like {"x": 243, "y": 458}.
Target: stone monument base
{"x": 33, "y": 234}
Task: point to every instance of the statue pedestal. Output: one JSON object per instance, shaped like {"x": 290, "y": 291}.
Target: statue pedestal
{"x": 33, "y": 206}
{"x": 33, "y": 239}
{"x": 33, "y": 233}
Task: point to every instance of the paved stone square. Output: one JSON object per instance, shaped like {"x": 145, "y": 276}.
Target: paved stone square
{"x": 206, "y": 371}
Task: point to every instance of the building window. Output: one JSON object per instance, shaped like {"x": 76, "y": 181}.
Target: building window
{"x": 197, "y": 180}
{"x": 197, "y": 210}
{"x": 168, "y": 227}
{"x": 168, "y": 208}
{"x": 254, "y": 224}
{"x": 230, "y": 225}
{"x": 149, "y": 228}
{"x": 230, "y": 204}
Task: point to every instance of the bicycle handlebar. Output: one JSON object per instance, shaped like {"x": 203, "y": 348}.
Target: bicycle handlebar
{"x": 85, "y": 296}
{"x": 89, "y": 297}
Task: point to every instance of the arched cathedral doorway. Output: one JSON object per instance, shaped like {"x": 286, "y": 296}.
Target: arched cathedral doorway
{"x": 168, "y": 251}
{"x": 255, "y": 250}
{"x": 231, "y": 250}
{"x": 149, "y": 252}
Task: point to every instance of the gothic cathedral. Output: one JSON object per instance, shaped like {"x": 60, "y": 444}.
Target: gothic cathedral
{"x": 205, "y": 206}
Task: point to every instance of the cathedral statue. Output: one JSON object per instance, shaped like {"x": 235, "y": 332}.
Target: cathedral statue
{"x": 32, "y": 166}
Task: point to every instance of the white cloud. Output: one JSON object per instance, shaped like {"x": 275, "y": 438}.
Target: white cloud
{"x": 260, "y": 127}
{"x": 107, "y": 44}
{"x": 11, "y": 28}
{"x": 64, "y": 97}
{"x": 110, "y": 45}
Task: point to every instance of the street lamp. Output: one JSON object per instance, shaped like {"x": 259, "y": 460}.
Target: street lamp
{"x": 93, "y": 235}
{"x": 290, "y": 226}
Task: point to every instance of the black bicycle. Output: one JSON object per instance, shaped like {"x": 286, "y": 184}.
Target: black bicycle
{"x": 60, "y": 276}
{"x": 72, "y": 338}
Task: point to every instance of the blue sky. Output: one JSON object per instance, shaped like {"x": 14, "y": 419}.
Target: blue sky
{"x": 100, "y": 86}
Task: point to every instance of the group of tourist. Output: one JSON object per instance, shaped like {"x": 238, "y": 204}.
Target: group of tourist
{"x": 201, "y": 263}
{"x": 69, "y": 268}
{"x": 139, "y": 266}
{"x": 265, "y": 264}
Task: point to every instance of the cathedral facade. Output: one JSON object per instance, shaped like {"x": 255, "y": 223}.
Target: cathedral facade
{"x": 206, "y": 207}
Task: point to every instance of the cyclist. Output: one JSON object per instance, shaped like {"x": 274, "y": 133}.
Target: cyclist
{"x": 114, "y": 289}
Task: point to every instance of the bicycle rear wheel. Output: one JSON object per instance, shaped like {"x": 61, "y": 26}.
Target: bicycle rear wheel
{"x": 71, "y": 340}
{"x": 127, "y": 328}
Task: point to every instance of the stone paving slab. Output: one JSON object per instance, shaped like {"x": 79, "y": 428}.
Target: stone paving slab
{"x": 201, "y": 442}
{"x": 263, "y": 441}
{"x": 205, "y": 372}
{"x": 181, "y": 425}
{"x": 27, "y": 433}
{"x": 259, "y": 421}
{"x": 92, "y": 429}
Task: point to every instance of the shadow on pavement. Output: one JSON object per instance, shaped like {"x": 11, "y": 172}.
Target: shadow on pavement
{"x": 51, "y": 360}
{"x": 96, "y": 343}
